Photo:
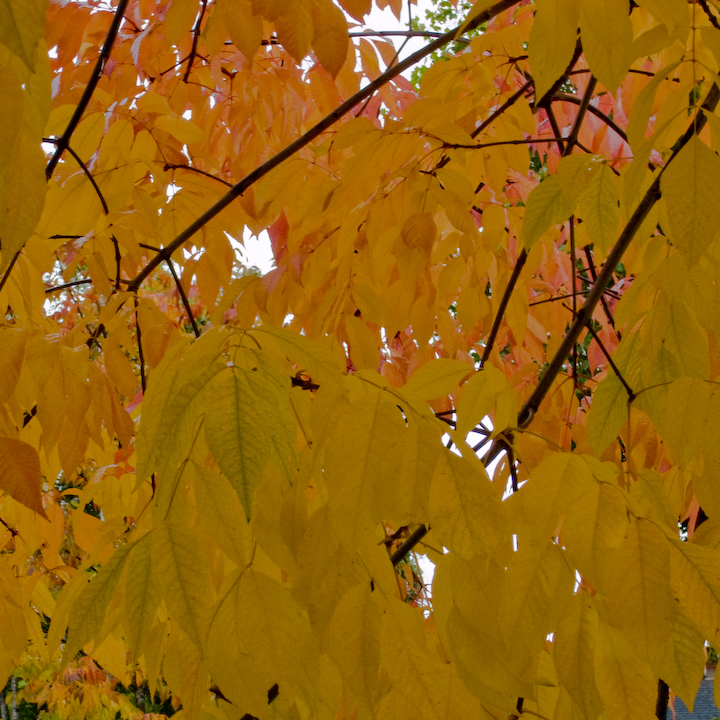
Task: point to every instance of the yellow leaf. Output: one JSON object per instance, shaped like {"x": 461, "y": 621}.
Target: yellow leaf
{"x": 179, "y": 20}
{"x": 538, "y": 587}
{"x": 357, "y": 8}
{"x": 22, "y": 163}
{"x": 682, "y": 666}
{"x": 436, "y": 378}
{"x": 690, "y": 186}
{"x": 480, "y": 6}
{"x": 245, "y": 28}
{"x": 465, "y": 511}
{"x": 12, "y": 619}
{"x": 608, "y": 413}
{"x": 330, "y": 36}
{"x": 175, "y": 384}
{"x": 554, "y": 485}
{"x": 574, "y": 653}
{"x": 606, "y": 34}
{"x": 182, "y": 572}
{"x": 637, "y": 597}
{"x": 553, "y": 37}
{"x": 362, "y": 453}
{"x": 695, "y": 579}
{"x": 22, "y": 24}
{"x": 355, "y": 634}
{"x": 87, "y": 616}
{"x": 221, "y": 514}
{"x": 627, "y": 686}
{"x": 141, "y": 595}
{"x": 643, "y": 106}
{"x": 546, "y": 205}
{"x": 248, "y": 421}
{"x": 364, "y": 351}
{"x": 264, "y": 636}
{"x": 599, "y": 209}
{"x": 477, "y": 397}
{"x": 295, "y": 29}
{"x": 20, "y": 475}
{"x": 420, "y": 231}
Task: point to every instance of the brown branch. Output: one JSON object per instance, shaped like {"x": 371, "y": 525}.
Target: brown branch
{"x": 519, "y": 263}
{"x": 564, "y": 97}
{"x": 603, "y": 349}
{"x": 183, "y": 166}
{"x": 141, "y": 358}
{"x": 196, "y": 35}
{"x": 409, "y": 545}
{"x": 308, "y": 137}
{"x": 652, "y": 195}
{"x": 603, "y": 301}
{"x": 184, "y": 298}
{"x": 544, "y": 101}
{"x": 64, "y": 140}
{"x": 496, "y": 113}
{"x": 713, "y": 20}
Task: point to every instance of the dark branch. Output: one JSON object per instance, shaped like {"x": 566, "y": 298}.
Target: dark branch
{"x": 64, "y": 140}
{"x": 308, "y": 137}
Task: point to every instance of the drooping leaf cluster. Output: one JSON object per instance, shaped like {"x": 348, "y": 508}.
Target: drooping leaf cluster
{"x": 490, "y": 336}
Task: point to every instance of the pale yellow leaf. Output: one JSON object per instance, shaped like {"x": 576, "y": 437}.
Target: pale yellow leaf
{"x": 634, "y": 583}
{"x": 436, "y": 378}
{"x": 12, "y": 620}
{"x": 180, "y": 566}
{"x": 599, "y": 209}
{"x": 465, "y": 511}
{"x": 626, "y": 684}
{"x": 22, "y": 24}
{"x": 141, "y": 595}
{"x": 88, "y": 612}
{"x": 553, "y": 37}
{"x": 606, "y": 34}
{"x": 690, "y": 187}
{"x": 608, "y": 413}
{"x": 574, "y": 653}
{"x": 248, "y": 421}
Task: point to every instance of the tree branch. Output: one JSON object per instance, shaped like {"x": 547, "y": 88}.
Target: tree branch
{"x": 308, "y": 137}
{"x": 527, "y": 413}
{"x": 64, "y": 140}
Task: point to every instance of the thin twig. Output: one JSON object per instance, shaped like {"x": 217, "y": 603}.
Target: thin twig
{"x": 64, "y": 140}
{"x": 308, "y": 137}
{"x": 409, "y": 545}
{"x": 603, "y": 301}
{"x": 141, "y": 357}
{"x": 196, "y": 35}
{"x": 652, "y": 195}
{"x": 519, "y": 263}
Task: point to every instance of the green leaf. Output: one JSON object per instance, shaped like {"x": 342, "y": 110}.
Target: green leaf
{"x": 546, "y": 205}
{"x": 248, "y": 420}
{"x": 608, "y": 413}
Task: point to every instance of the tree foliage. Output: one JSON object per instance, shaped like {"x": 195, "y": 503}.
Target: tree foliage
{"x": 491, "y": 336}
